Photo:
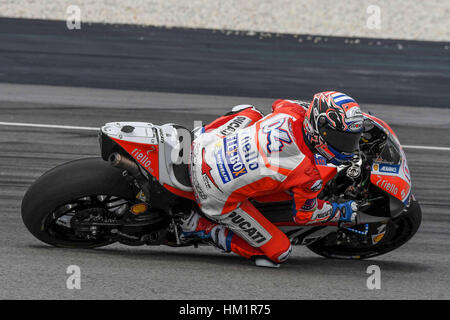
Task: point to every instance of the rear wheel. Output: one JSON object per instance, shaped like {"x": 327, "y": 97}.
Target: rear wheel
{"x": 75, "y": 194}
{"x": 398, "y": 231}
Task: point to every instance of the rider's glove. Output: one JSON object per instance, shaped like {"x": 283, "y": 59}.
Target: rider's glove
{"x": 345, "y": 213}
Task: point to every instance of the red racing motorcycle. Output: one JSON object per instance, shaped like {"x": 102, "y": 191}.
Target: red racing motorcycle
{"x": 139, "y": 189}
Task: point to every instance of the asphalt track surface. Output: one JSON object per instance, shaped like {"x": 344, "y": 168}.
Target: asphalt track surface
{"x": 211, "y": 73}
{"x": 31, "y": 269}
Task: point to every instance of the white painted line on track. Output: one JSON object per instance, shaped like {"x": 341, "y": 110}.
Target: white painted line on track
{"x": 54, "y": 126}
{"x": 38, "y": 125}
{"x": 426, "y": 148}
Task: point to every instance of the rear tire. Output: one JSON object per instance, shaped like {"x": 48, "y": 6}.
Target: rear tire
{"x": 399, "y": 231}
{"x": 62, "y": 185}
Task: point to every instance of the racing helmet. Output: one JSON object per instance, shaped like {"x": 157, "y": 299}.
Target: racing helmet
{"x": 333, "y": 126}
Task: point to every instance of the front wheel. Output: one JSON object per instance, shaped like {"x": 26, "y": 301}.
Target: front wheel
{"x": 399, "y": 230}
{"x": 77, "y": 192}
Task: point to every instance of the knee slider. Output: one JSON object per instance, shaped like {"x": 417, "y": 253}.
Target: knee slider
{"x": 281, "y": 255}
{"x": 285, "y": 255}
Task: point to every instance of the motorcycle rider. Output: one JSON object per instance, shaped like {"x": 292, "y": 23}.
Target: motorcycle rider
{"x": 244, "y": 155}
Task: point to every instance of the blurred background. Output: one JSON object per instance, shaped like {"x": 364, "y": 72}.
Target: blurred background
{"x": 67, "y": 67}
{"x": 380, "y": 52}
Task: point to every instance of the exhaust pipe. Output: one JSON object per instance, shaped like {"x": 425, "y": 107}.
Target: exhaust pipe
{"x": 119, "y": 161}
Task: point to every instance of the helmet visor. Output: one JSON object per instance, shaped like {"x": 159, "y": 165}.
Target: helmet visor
{"x": 347, "y": 142}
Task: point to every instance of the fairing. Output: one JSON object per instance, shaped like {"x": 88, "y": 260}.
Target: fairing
{"x": 155, "y": 148}
{"x": 390, "y": 170}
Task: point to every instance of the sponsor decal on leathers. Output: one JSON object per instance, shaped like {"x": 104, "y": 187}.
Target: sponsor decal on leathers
{"x": 246, "y": 227}
{"x": 277, "y": 137}
{"x": 233, "y": 125}
{"x": 206, "y": 172}
{"x": 309, "y": 205}
{"x": 234, "y": 160}
{"x": 240, "y": 155}
{"x": 223, "y": 173}
{"x": 199, "y": 193}
{"x": 321, "y": 213}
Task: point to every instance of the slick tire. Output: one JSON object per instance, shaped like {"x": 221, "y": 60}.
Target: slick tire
{"x": 63, "y": 184}
{"x": 398, "y": 231}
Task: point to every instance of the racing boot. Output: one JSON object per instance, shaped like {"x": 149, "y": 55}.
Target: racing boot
{"x": 194, "y": 226}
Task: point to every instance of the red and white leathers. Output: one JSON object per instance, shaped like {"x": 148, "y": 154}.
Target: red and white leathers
{"x": 245, "y": 155}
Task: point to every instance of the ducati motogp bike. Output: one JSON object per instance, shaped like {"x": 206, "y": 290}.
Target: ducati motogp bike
{"x": 136, "y": 194}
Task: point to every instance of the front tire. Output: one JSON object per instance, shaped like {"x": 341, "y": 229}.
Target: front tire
{"x": 399, "y": 231}
{"x": 90, "y": 178}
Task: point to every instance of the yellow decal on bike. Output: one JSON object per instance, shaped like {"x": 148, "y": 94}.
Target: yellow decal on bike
{"x": 140, "y": 196}
{"x": 377, "y": 237}
{"x": 139, "y": 208}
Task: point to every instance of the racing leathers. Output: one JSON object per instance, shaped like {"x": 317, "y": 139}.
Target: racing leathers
{"x": 245, "y": 155}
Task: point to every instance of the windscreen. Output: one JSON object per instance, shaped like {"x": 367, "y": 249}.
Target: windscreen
{"x": 390, "y": 153}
